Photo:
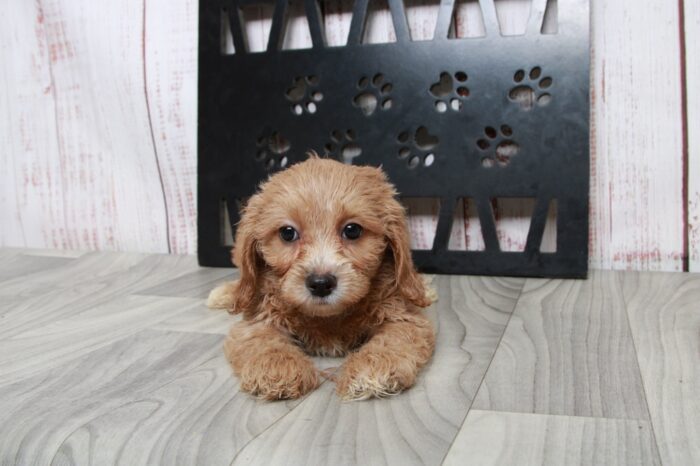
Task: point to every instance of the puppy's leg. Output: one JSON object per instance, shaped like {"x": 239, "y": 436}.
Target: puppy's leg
{"x": 389, "y": 362}
{"x": 222, "y": 297}
{"x": 268, "y": 364}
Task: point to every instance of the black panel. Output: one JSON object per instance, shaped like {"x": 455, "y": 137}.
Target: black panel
{"x": 497, "y": 117}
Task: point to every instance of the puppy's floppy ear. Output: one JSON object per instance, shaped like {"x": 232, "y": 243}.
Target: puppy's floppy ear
{"x": 408, "y": 283}
{"x": 245, "y": 256}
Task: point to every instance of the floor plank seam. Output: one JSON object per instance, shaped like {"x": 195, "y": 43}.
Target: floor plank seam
{"x": 483, "y": 376}
{"x": 264, "y": 431}
{"x": 639, "y": 367}
{"x": 577, "y": 416}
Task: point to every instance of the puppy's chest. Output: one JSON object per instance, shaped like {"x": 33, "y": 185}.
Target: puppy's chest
{"x": 330, "y": 340}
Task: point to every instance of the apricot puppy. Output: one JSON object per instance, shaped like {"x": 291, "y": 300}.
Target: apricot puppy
{"x": 325, "y": 269}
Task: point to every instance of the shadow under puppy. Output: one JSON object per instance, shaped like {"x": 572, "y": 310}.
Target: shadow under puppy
{"x": 325, "y": 269}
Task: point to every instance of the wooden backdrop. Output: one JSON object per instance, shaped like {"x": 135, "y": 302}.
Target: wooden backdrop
{"x": 98, "y": 125}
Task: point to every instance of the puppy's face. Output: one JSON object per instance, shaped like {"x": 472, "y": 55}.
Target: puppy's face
{"x": 321, "y": 231}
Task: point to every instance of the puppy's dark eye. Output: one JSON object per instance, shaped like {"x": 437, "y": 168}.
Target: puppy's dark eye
{"x": 352, "y": 231}
{"x": 289, "y": 234}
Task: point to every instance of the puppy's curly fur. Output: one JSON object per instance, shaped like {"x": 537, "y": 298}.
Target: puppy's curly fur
{"x": 373, "y": 314}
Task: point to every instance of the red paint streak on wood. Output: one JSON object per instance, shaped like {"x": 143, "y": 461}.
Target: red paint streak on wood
{"x": 694, "y": 224}
{"x": 592, "y": 234}
{"x": 60, "y": 48}
{"x": 602, "y": 84}
{"x": 632, "y": 260}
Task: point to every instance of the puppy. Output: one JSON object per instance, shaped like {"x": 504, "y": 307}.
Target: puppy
{"x": 325, "y": 269}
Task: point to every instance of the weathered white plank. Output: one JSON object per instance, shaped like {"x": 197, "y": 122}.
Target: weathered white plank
{"x": 171, "y": 90}
{"x": 31, "y": 183}
{"x": 337, "y": 15}
{"x": 636, "y": 146}
{"x": 692, "y": 89}
{"x": 97, "y": 185}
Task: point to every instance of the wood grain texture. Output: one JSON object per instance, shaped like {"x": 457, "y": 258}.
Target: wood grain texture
{"x": 692, "y": 78}
{"x": 30, "y": 351}
{"x": 496, "y": 438}
{"x": 636, "y": 144}
{"x": 196, "y": 284}
{"x": 199, "y": 319}
{"x": 665, "y": 321}
{"x": 93, "y": 373}
{"x": 20, "y": 265}
{"x": 152, "y": 398}
{"x": 567, "y": 350}
{"x": 416, "y": 427}
{"x": 96, "y": 279}
{"x": 66, "y": 253}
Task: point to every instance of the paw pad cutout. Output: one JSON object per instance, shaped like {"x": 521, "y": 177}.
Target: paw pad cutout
{"x": 416, "y": 148}
{"x": 497, "y": 146}
{"x": 272, "y": 150}
{"x": 450, "y": 91}
{"x": 343, "y": 146}
{"x": 374, "y": 93}
{"x": 304, "y": 94}
{"x": 530, "y": 89}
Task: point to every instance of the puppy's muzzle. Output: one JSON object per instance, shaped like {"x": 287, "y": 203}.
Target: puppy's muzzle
{"x": 321, "y": 285}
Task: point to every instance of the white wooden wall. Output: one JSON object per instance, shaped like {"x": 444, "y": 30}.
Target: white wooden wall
{"x": 98, "y": 125}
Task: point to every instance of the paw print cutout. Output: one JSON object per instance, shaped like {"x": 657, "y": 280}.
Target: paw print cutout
{"x": 530, "y": 89}
{"x": 343, "y": 146}
{"x": 272, "y": 150}
{"x": 374, "y": 93}
{"x": 304, "y": 94}
{"x": 416, "y": 148}
{"x": 450, "y": 91}
{"x": 497, "y": 146}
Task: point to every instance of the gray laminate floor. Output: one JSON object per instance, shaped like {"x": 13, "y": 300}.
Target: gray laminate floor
{"x": 110, "y": 358}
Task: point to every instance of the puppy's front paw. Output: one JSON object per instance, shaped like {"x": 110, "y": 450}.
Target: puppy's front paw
{"x": 222, "y": 297}
{"x": 372, "y": 374}
{"x": 279, "y": 375}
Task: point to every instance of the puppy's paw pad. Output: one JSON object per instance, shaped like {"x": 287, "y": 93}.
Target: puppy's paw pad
{"x": 221, "y": 297}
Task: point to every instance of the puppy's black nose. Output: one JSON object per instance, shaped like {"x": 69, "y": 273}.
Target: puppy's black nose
{"x": 321, "y": 285}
